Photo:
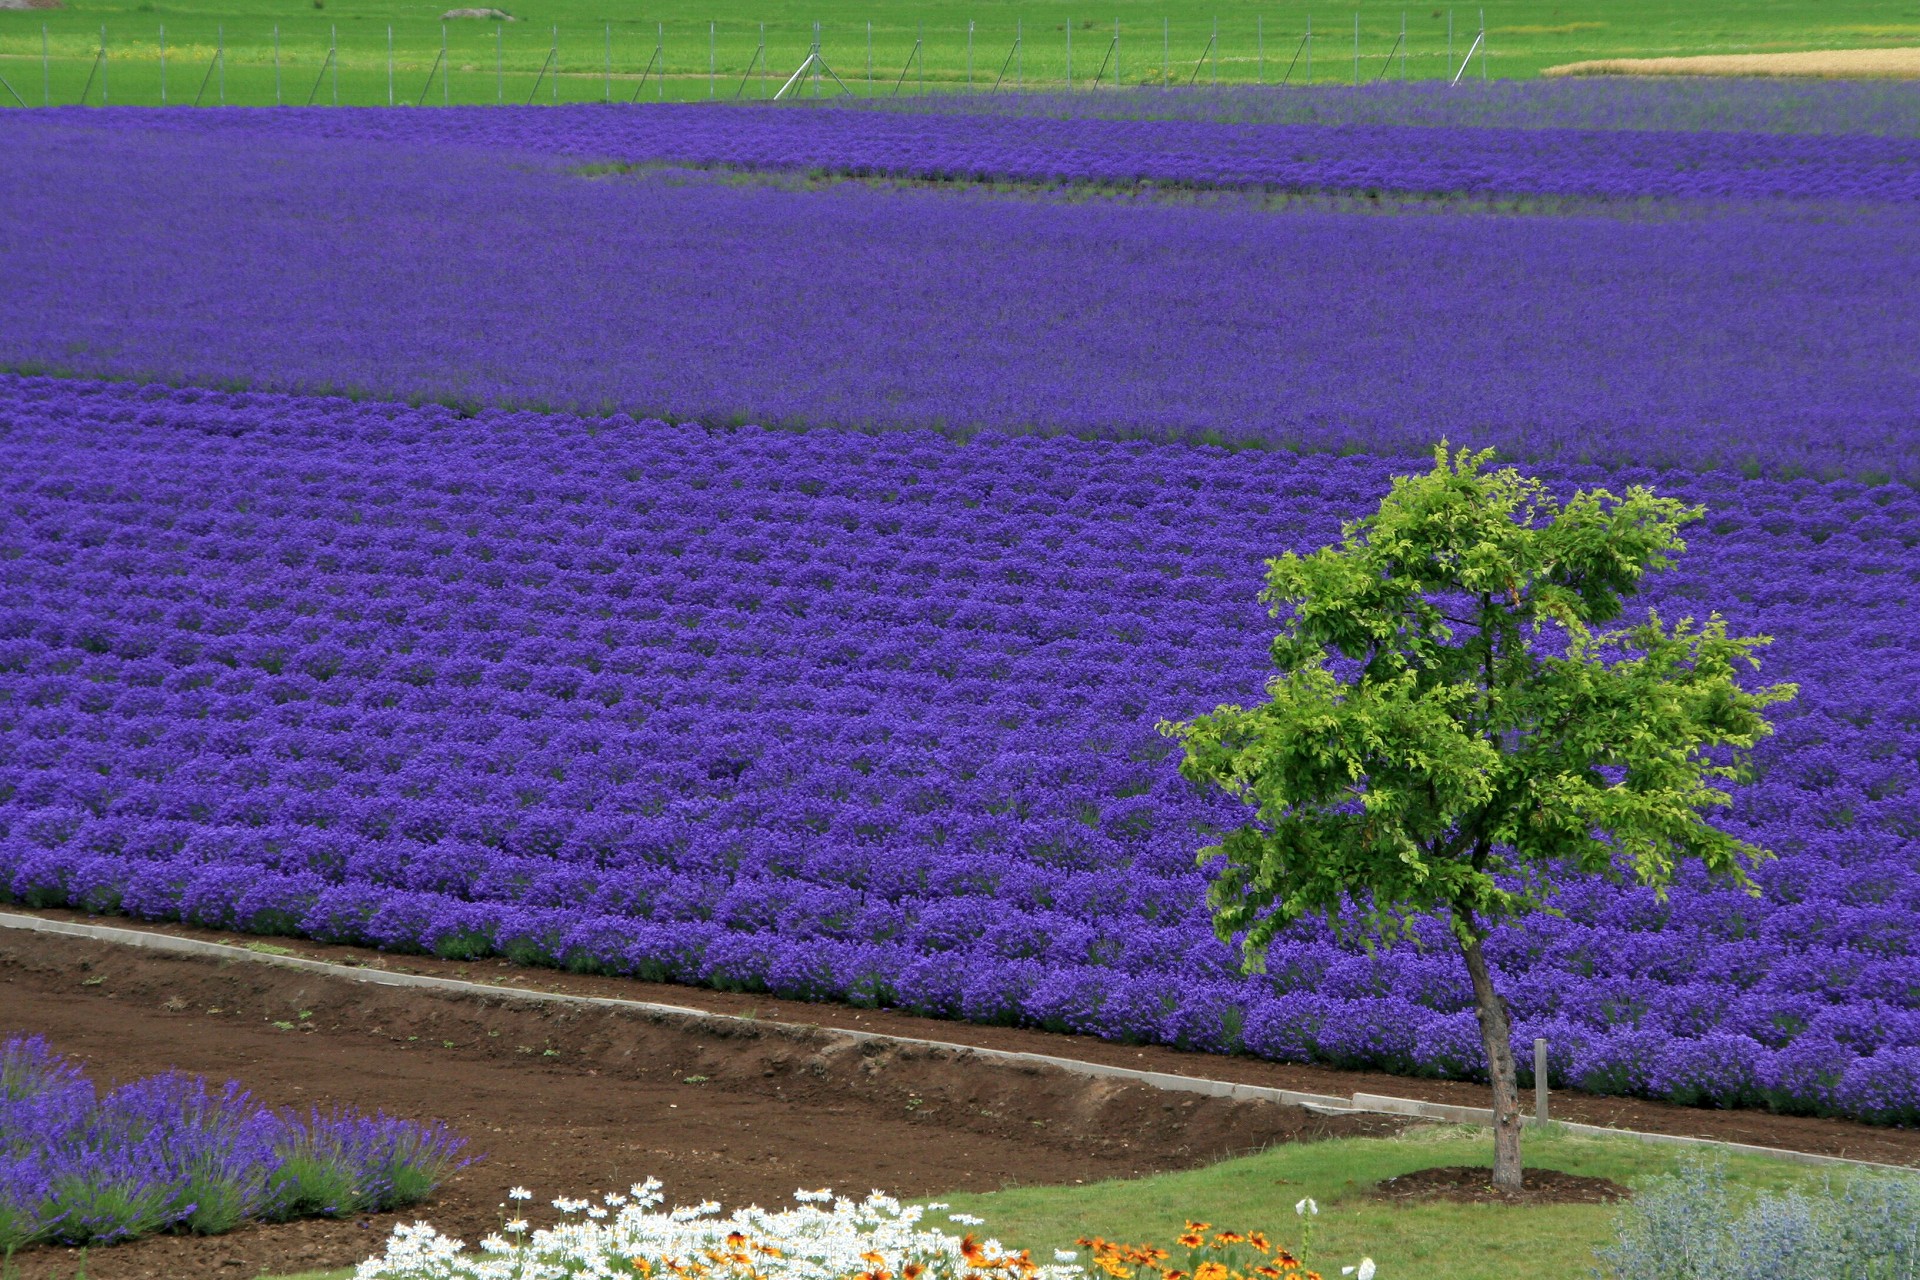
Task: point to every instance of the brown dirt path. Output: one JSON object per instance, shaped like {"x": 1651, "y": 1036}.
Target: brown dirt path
{"x": 1760, "y": 1128}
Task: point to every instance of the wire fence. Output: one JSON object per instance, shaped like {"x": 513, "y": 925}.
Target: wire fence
{"x": 496, "y": 61}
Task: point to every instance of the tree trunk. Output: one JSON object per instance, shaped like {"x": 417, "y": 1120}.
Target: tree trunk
{"x": 1498, "y": 1038}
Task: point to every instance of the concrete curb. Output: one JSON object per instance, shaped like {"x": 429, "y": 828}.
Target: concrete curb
{"x": 1325, "y": 1104}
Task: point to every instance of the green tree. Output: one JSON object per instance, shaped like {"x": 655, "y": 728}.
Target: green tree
{"x": 1450, "y": 731}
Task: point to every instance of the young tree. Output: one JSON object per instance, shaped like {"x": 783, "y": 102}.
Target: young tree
{"x": 1449, "y": 730}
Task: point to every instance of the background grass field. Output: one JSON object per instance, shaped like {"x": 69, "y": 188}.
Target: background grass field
{"x": 602, "y": 49}
{"x": 1430, "y": 1241}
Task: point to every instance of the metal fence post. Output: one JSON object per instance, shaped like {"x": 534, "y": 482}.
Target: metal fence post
{"x": 709, "y": 60}
{"x": 163, "y": 64}
{"x": 969, "y": 55}
{"x": 1540, "y": 1079}
{"x": 276, "y": 64}
{"x": 1356, "y": 48}
{"x": 389, "y": 64}
{"x": 103, "y": 64}
{"x": 1164, "y": 40}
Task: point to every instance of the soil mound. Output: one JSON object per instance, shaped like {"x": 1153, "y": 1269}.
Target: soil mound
{"x": 1473, "y": 1184}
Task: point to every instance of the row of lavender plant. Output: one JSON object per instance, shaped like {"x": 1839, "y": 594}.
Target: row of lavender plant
{"x": 1886, "y": 108}
{"x": 866, "y": 718}
{"x": 1746, "y": 337}
{"x": 172, "y": 1153}
{"x": 1605, "y": 164}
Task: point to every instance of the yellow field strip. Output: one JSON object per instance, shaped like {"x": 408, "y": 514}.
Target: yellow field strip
{"x": 1856, "y": 64}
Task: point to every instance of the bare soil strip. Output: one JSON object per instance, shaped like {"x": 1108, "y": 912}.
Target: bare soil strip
{"x": 1862, "y": 64}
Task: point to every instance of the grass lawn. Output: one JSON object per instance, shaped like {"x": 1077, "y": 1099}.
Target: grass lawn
{"x": 1430, "y": 1241}
{"x": 603, "y": 49}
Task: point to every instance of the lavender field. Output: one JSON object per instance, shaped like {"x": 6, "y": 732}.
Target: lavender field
{"x": 765, "y": 568}
{"x": 864, "y": 717}
{"x": 457, "y": 256}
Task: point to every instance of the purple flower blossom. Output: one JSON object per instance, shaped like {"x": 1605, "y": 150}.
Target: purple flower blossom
{"x": 168, "y": 1152}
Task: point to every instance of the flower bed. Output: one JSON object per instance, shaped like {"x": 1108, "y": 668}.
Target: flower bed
{"x": 867, "y": 718}
{"x": 877, "y": 1238}
{"x": 171, "y": 1153}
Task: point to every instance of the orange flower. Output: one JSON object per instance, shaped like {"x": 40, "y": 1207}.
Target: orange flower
{"x": 1191, "y": 1240}
{"x": 1258, "y": 1239}
{"x": 1210, "y": 1271}
{"x": 1229, "y": 1237}
{"x": 970, "y": 1249}
{"x": 1198, "y": 1226}
{"x": 1269, "y": 1270}
{"x": 912, "y": 1271}
{"x": 641, "y": 1267}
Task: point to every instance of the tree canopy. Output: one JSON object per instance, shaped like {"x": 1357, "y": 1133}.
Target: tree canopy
{"x": 1481, "y": 730}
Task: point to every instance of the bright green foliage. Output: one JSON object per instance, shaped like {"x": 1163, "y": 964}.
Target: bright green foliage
{"x": 1482, "y": 732}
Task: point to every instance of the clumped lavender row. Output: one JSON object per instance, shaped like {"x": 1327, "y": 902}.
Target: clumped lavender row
{"x": 868, "y": 718}
{"x": 172, "y": 1153}
{"x": 1885, "y": 108}
{"x": 1749, "y": 337}
{"x": 1486, "y": 160}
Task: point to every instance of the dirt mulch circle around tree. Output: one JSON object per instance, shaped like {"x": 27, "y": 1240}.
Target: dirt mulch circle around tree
{"x": 1473, "y": 1184}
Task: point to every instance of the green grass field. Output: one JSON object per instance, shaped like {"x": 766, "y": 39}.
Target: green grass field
{"x": 602, "y": 50}
{"x": 1435, "y": 1241}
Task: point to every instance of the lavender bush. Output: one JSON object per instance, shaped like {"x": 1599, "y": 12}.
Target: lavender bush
{"x": 170, "y": 1153}
{"x": 1690, "y": 1226}
{"x": 869, "y": 718}
{"x": 251, "y": 250}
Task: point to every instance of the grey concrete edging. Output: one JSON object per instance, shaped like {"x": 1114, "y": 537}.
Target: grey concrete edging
{"x": 1325, "y": 1104}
